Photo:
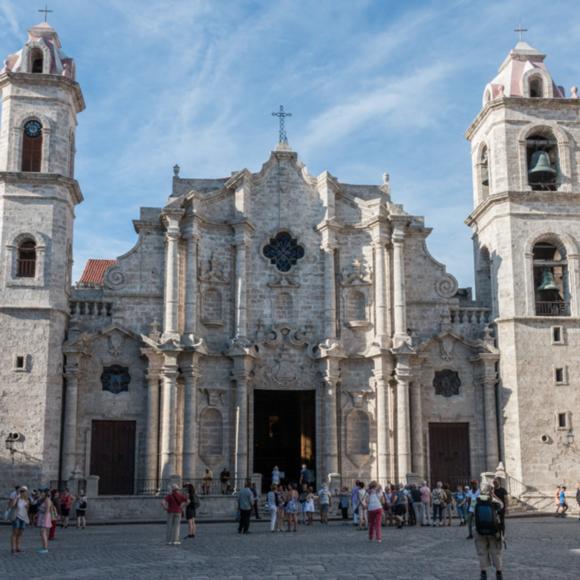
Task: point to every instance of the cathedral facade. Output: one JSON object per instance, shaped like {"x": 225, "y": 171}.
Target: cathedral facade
{"x": 276, "y": 318}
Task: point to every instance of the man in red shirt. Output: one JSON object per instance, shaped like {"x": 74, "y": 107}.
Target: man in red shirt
{"x": 173, "y": 504}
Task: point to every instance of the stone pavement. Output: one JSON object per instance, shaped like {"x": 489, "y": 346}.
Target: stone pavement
{"x": 538, "y": 548}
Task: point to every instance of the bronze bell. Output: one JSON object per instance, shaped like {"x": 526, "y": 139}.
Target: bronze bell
{"x": 541, "y": 169}
{"x": 548, "y": 283}
{"x": 484, "y": 175}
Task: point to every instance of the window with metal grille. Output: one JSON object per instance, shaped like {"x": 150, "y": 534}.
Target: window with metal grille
{"x": 32, "y": 146}
{"x": 26, "y": 266}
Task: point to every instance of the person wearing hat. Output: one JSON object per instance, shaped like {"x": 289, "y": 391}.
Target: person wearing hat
{"x": 173, "y": 504}
{"x": 489, "y": 542}
{"x": 19, "y": 518}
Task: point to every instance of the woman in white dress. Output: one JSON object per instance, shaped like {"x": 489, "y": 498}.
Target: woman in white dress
{"x": 309, "y": 507}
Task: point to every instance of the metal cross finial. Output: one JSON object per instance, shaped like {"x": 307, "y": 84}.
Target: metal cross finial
{"x": 46, "y": 12}
{"x": 281, "y": 114}
{"x": 520, "y": 30}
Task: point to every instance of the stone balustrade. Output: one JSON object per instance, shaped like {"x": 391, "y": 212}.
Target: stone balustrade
{"x": 91, "y": 309}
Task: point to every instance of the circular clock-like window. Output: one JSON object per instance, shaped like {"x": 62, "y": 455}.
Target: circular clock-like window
{"x": 33, "y": 128}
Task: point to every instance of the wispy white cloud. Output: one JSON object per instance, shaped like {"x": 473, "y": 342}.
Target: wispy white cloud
{"x": 9, "y": 17}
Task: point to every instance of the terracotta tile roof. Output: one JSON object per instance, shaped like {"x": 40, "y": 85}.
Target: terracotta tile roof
{"x": 94, "y": 272}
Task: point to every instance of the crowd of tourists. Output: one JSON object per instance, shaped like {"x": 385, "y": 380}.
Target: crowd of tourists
{"x": 44, "y": 509}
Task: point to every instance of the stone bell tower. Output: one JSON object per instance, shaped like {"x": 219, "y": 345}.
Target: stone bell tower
{"x": 38, "y": 195}
{"x": 526, "y": 232}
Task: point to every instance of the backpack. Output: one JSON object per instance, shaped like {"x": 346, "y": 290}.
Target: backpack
{"x": 487, "y": 520}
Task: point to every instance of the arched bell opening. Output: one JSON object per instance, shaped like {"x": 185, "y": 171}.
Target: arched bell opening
{"x": 536, "y": 87}
{"x": 543, "y": 162}
{"x": 552, "y": 294}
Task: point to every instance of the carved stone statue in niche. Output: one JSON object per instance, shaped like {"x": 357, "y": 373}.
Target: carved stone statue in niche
{"x": 115, "y": 379}
{"x": 447, "y": 383}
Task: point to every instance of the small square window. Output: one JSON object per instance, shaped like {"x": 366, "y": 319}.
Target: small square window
{"x": 557, "y": 335}
{"x": 562, "y": 420}
{"x": 22, "y": 362}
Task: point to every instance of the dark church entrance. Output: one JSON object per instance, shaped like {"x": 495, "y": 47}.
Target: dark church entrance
{"x": 113, "y": 456}
{"x": 449, "y": 453}
{"x": 284, "y": 433}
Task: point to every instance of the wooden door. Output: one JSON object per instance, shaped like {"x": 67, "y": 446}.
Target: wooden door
{"x": 449, "y": 453}
{"x": 113, "y": 456}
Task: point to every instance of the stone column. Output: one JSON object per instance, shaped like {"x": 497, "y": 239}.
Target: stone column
{"x": 241, "y": 245}
{"x": 190, "y": 377}
{"x": 152, "y": 426}
{"x": 403, "y": 427}
{"x": 380, "y": 291}
{"x": 398, "y": 238}
{"x": 171, "y": 297}
{"x": 490, "y": 410}
{"x": 417, "y": 426}
{"x": 329, "y": 292}
{"x": 382, "y": 427}
{"x": 168, "y": 425}
{"x": 69, "y": 439}
{"x": 190, "y": 325}
{"x": 330, "y": 443}
{"x": 241, "y": 415}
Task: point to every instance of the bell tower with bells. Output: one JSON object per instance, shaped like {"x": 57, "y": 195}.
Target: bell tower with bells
{"x": 526, "y": 233}
{"x": 38, "y": 196}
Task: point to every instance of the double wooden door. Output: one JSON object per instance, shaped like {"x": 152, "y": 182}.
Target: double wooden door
{"x": 113, "y": 456}
{"x": 449, "y": 453}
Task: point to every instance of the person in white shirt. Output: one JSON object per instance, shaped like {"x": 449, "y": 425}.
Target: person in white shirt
{"x": 272, "y": 503}
{"x": 472, "y": 496}
{"x": 19, "y": 506}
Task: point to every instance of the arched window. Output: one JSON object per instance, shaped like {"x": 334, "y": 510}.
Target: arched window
{"x": 483, "y": 279}
{"x": 211, "y": 434}
{"x": 356, "y": 305}
{"x": 551, "y": 290}
{"x": 284, "y": 306}
{"x": 26, "y": 262}
{"x": 32, "y": 146}
{"x": 212, "y": 305}
{"x": 358, "y": 430}
{"x": 543, "y": 162}
{"x": 484, "y": 172}
{"x": 36, "y": 60}
{"x": 536, "y": 86}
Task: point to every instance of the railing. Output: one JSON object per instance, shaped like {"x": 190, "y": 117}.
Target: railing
{"x": 91, "y": 309}
{"x": 470, "y": 315}
{"x": 556, "y": 308}
{"x": 515, "y": 487}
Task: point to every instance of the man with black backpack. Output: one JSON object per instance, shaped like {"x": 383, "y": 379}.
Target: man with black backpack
{"x": 489, "y": 531}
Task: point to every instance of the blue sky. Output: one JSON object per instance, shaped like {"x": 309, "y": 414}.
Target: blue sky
{"x": 373, "y": 86}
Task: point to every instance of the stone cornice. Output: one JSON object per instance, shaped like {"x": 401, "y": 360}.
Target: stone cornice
{"x": 45, "y": 178}
{"x": 20, "y": 79}
{"x": 521, "y": 196}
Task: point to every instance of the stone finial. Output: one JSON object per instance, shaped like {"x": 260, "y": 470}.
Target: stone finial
{"x": 574, "y": 92}
{"x": 154, "y": 330}
{"x": 386, "y": 178}
{"x": 176, "y": 170}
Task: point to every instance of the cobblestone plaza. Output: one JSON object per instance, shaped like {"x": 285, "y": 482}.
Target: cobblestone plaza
{"x": 538, "y": 548}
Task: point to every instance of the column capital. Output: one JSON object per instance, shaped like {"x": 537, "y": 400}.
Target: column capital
{"x": 170, "y": 218}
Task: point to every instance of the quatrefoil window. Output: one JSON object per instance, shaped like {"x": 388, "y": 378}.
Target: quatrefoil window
{"x": 283, "y": 251}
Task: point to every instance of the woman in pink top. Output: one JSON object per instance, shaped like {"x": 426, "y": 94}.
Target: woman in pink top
{"x": 44, "y": 519}
{"x": 374, "y": 505}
